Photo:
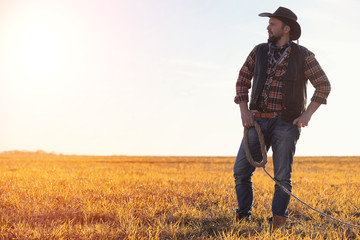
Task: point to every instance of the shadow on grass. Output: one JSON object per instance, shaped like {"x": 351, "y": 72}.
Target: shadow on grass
{"x": 215, "y": 228}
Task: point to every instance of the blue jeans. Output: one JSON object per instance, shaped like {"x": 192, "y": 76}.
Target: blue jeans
{"x": 281, "y": 136}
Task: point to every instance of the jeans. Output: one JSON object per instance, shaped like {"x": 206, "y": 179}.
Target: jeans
{"x": 281, "y": 136}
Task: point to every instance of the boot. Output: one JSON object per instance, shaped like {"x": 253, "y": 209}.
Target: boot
{"x": 277, "y": 222}
{"x": 245, "y": 218}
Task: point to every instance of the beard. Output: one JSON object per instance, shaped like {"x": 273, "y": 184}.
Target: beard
{"x": 274, "y": 39}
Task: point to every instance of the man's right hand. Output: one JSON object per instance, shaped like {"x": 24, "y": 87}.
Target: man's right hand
{"x": 246, "y": 116}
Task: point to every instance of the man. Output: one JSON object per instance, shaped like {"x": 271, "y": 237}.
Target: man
{"x": 280, "y": 70}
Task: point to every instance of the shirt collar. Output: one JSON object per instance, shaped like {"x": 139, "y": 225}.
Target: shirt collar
{"x": 273, "y": 47}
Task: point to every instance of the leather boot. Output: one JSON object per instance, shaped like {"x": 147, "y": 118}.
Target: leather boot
{"x": 279, "y": 222}
{"x": 245, "y": 218}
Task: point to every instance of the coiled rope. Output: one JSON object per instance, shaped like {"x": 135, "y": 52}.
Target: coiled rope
{"x": 263, "y": 163}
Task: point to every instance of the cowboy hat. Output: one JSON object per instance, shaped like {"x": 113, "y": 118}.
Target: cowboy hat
{"x": 289, "y": 18}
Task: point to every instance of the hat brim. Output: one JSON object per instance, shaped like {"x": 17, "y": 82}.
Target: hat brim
{"x": 265, "y": 14}
{"x": 294, "y": 25}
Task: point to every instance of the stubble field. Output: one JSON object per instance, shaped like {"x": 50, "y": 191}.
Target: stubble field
{"x": 44, "y": 196}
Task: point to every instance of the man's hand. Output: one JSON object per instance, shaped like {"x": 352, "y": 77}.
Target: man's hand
{"x": 247, "y": 117}
{"x": 304, "y": 119}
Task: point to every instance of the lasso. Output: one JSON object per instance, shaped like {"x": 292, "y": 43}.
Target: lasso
{"x": 263, "y": 163}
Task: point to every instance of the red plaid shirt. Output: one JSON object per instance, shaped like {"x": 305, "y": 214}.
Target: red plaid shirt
{"x": 271, "y": 97}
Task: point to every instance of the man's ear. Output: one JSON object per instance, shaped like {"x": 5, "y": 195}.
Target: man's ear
{"x": 287, "y": 29}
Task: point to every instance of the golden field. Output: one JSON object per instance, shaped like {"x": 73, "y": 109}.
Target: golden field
{"x": 47, "y": 196}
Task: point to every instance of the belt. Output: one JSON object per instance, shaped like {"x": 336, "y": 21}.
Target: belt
{"x": 266, "y": 115}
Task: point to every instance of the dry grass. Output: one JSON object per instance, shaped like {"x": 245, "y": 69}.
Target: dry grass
{"x": 44, "y": 196}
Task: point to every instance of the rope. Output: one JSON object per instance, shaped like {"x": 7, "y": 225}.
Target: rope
{"x": 262, "y": 147}
{"x": 263, "y": 163}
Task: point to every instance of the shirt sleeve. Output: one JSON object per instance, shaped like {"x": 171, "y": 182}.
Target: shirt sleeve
{"x": 318, "y": 79}
{"x": 243, "y": 83}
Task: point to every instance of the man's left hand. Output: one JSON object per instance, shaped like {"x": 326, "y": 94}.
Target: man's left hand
{"x": 303, "y": 120}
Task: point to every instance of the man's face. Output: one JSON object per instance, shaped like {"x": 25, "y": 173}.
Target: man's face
{"x": 275, "y": 30}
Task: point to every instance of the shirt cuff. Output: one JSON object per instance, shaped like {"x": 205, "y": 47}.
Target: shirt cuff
{"x": 242, "y": 99}
{"x": 319, "y": 100}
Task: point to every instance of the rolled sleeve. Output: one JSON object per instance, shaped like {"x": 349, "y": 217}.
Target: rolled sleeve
{"x": 243, "y": 83}
{"x": 318, "y": 79}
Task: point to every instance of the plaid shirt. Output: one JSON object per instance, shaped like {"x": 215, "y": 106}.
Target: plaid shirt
{"x": 271, "y": 97}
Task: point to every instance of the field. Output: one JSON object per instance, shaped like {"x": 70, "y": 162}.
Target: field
{"x": 48, "y": 196}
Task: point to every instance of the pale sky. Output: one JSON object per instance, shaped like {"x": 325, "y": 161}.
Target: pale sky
{"x": 157, "y": 77}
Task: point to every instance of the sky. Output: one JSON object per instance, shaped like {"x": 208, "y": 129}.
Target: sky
{"x": 157, "y": 77}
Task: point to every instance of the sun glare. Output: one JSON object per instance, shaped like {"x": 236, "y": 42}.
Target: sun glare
{"x": 34, "y": 43}
{"x": 36, "y": 50}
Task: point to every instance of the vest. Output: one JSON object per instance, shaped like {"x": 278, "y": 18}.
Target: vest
{"x": 294, "y": 81}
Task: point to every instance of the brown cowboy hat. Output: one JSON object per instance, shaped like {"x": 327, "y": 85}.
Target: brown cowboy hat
{"x": 289, "y": 18}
